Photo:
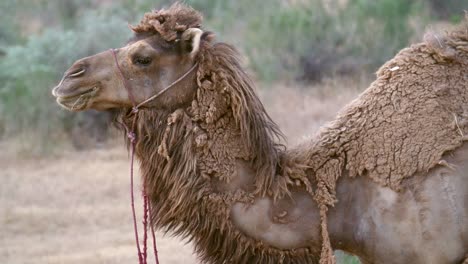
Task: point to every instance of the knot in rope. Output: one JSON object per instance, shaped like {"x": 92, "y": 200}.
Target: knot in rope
{"x": 132, "y": 136}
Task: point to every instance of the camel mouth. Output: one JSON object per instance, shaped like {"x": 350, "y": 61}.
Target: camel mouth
{"x": 77, "y": 101}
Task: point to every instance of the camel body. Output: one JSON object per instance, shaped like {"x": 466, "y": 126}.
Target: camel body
{"x": 425, "y": 223}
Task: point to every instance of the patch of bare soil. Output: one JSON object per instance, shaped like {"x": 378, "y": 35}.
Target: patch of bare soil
{"x": 73, "y": 209}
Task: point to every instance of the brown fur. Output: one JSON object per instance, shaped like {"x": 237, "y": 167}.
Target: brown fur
{"x": 169, "y": 23}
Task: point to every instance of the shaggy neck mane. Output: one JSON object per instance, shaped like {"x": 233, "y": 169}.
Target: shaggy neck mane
{"x": 185, "y": 154}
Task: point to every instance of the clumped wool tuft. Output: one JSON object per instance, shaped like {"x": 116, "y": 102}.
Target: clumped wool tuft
{"x": 414, "y": 112}
{"x": 171, "y": 22}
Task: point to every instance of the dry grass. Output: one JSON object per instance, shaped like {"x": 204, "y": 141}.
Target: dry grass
{"x": 74, "y": 208}
{"x": 301, "y": 110}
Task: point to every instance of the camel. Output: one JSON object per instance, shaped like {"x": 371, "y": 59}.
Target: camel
{"x": 387, "y": 180}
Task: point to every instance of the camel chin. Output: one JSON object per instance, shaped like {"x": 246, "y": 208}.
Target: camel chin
{"x": 77, "y": 102}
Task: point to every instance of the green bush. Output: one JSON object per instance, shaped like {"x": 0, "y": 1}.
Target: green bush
{"x": 29, "y": 71}
{"x": 274, "y": 35}
{"x": 9, "y": 31}
{"x": 451, "y": 10}
{"x": 343, "y": 258}
{"x": 383, "y": 27}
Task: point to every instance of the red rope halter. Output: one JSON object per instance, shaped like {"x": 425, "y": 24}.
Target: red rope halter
{"x": 142, "y": 256}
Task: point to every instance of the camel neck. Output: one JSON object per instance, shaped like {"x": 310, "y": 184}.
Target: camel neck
{"x": 196, "y": 172}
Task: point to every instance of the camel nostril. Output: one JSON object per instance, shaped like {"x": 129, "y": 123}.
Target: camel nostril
{"x": 77, "y": 72}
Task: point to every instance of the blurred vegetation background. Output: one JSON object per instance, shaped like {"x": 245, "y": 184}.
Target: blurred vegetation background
{"x": 282, "y": 40}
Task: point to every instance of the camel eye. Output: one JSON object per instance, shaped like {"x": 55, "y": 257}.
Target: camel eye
{"x": 142, "y": 61}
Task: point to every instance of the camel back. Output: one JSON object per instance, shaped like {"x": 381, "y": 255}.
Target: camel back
{"x": 414, "y": 113}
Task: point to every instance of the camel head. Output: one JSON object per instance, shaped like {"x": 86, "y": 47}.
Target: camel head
{"x": 148, "y": 64}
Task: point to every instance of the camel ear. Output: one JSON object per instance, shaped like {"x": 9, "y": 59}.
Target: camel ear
{"x": 191, "y": 40}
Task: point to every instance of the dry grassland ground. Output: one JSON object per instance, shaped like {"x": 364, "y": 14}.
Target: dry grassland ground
{"x": 75, "y": 207}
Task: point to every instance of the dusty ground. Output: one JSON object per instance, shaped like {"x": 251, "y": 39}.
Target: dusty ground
{"x": 75, "y": 207}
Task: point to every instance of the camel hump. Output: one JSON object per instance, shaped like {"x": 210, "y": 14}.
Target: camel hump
{"x": 439, "y": 45}
{"x": 451, "y": 44}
